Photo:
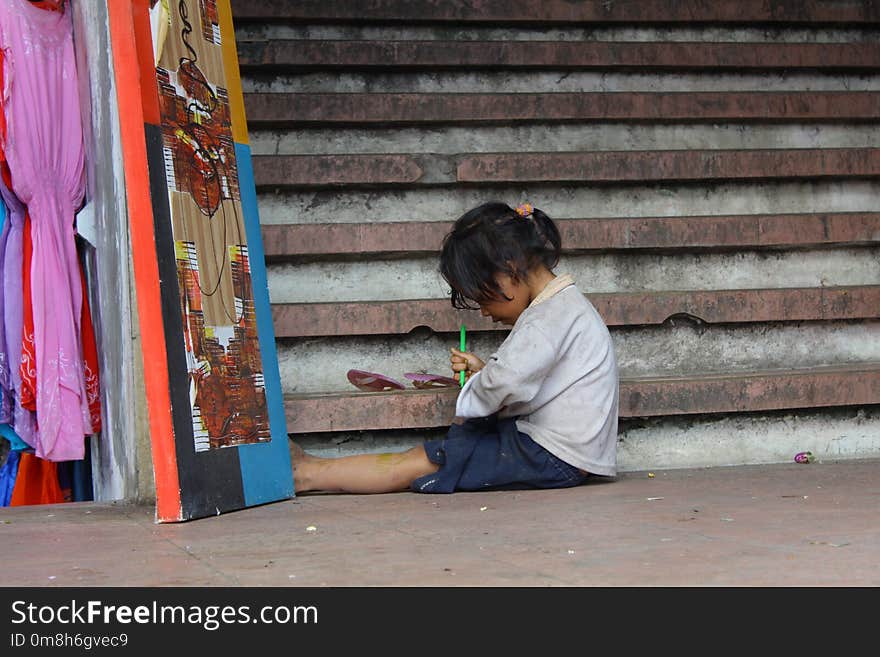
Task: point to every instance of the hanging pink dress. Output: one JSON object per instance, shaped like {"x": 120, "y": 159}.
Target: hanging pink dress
{"x": 44, "y": 149}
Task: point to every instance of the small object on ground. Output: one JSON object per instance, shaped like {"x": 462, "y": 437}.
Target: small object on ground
{"x": 650, "y": 475}
{"x": 804, "y": 457}
{"x": 425, "y": 380}
{"x": 311, "y": 528}
{"x": 651, "y": 499}
{"x": 372, "y": 382}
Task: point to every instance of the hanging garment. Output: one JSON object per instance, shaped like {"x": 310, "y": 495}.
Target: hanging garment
{"x": 90, "y": 359}
{"x": 28, "y": 366}
{"x": 36, "y": 482}
{"x": 27, "y": 373}
{"x": 75, "y": 478}
{"x": 50, "y": 5}
{"x": 44, "y": 150}
{"x": 7, "y": 394}
{"x": 12, "y": 311}
{"x": 11, "y": 410}
{"x": 8, "y": 474}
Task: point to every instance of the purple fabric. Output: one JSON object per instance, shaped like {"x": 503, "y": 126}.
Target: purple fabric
{"x": 11, "y": 308}
{"x": 44, "y": 149}
{"x": 7, "y": 395}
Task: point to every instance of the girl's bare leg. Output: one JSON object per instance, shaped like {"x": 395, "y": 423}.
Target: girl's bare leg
{"x": 362, "y": 473}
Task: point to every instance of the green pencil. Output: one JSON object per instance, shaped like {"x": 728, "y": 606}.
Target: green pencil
{"x": 462, "y": 348}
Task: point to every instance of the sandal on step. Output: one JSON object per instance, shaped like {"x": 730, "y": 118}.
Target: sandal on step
{"x": 373, "y": 382}
{"x": 424, "y": 380}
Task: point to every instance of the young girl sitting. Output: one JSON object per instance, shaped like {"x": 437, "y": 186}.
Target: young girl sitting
{"x": 541, "y": 412}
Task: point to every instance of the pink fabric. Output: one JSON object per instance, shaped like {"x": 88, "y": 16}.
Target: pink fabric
{"x": 44, "y": 149}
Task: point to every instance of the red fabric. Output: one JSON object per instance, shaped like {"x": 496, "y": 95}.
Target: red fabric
{"x": 36, "y": 482}
{"x": 90, "y": 358}
{"x": 28, "y": 369}
{"x": 2, "y": 115}
{"x": 50, "y": 5}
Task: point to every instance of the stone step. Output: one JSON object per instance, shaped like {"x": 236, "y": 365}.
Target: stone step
{"x": 756, "y": 391}
{"x": 616, "y": 309}
{"x": 553, "y": 12}
{"x": 670, "y": 165}
{"x": 680, "y": 347}
{"x": 446, "y": 142}
{"x": 525, "y": 81}
{"x": 422, "y": 56}
{"x": 345, "y": 109}
{"x": 404, "y": 278}
{"x": 285, "y": 241}
{"x": 395, "y": 170}
{"x": 430, "y": 204}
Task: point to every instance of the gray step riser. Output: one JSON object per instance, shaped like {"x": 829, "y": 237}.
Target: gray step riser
{"x": 264, "y": 31}
{"x": 569, "y": 201}
{"x": 320, "y": 364}
{"x": 547, "y": 82}
{"x": 613, "y": 272}
{"x": 560, "y": 138}
{"x": 667, "y": 443}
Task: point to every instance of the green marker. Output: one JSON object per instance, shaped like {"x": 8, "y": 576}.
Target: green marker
{"x": 462, "y": 348}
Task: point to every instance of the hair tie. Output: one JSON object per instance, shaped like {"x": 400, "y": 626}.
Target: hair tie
{"x": 524, "y": 209}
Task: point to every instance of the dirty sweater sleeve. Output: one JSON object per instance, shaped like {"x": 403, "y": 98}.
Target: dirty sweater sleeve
{"x": 513, "y": 374}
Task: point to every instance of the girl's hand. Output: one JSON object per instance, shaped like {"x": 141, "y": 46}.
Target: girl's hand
{"x": 462, "y": 361}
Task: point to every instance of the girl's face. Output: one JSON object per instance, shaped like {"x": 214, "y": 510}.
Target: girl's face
{"x": 502, "y": 310}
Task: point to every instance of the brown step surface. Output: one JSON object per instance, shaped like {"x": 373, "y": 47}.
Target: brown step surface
{"x": 555, "y": 55}
{"x": 675, "y": 165}
{"x": 709, "y": 231}
{"x": 601, "y": 167}
{"x": 617, "y": 309}
{"x": 754, "y": 391}
{"x": 335, "y": 170}
{"x": 337, "y": 109}
{"x": 491, "y": 13}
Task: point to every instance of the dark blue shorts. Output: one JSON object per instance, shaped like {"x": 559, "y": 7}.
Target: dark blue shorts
{"x": 486, "y": 454}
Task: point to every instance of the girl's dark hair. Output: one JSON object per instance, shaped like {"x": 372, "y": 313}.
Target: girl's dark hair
{"x": 494, "y": 238}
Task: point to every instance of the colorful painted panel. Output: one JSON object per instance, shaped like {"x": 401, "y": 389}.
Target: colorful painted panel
{"x": 227, "y": 389}
{"x": 219, "y": 435}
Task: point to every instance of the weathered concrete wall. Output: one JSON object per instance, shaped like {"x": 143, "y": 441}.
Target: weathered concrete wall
{"x": 419, "y": 279}
{"x": 690, "y": 442}
{"x": 320, "y": 364}
{"x": 429, "y": 204}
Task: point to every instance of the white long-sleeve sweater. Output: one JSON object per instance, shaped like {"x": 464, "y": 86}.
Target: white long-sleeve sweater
{"x": 556, "y": 371}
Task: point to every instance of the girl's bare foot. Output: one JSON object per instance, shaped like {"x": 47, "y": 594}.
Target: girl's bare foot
{"x": 300, "y": 462}
{"x": 297, "y": 453}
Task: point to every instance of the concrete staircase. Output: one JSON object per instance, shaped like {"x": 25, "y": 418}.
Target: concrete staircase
{"x": 714, "y": 168}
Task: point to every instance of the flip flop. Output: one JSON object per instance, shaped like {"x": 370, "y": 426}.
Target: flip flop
{"x": 423, "y": 380}
{"x": 372, "y": 382}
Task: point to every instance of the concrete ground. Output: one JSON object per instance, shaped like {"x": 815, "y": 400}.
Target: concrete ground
{"x": 779, "y": 525}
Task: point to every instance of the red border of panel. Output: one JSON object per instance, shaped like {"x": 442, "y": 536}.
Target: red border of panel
{"x": 134, "y": 109}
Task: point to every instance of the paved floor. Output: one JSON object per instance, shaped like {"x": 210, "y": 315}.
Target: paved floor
{"x": 816, "y": 524}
